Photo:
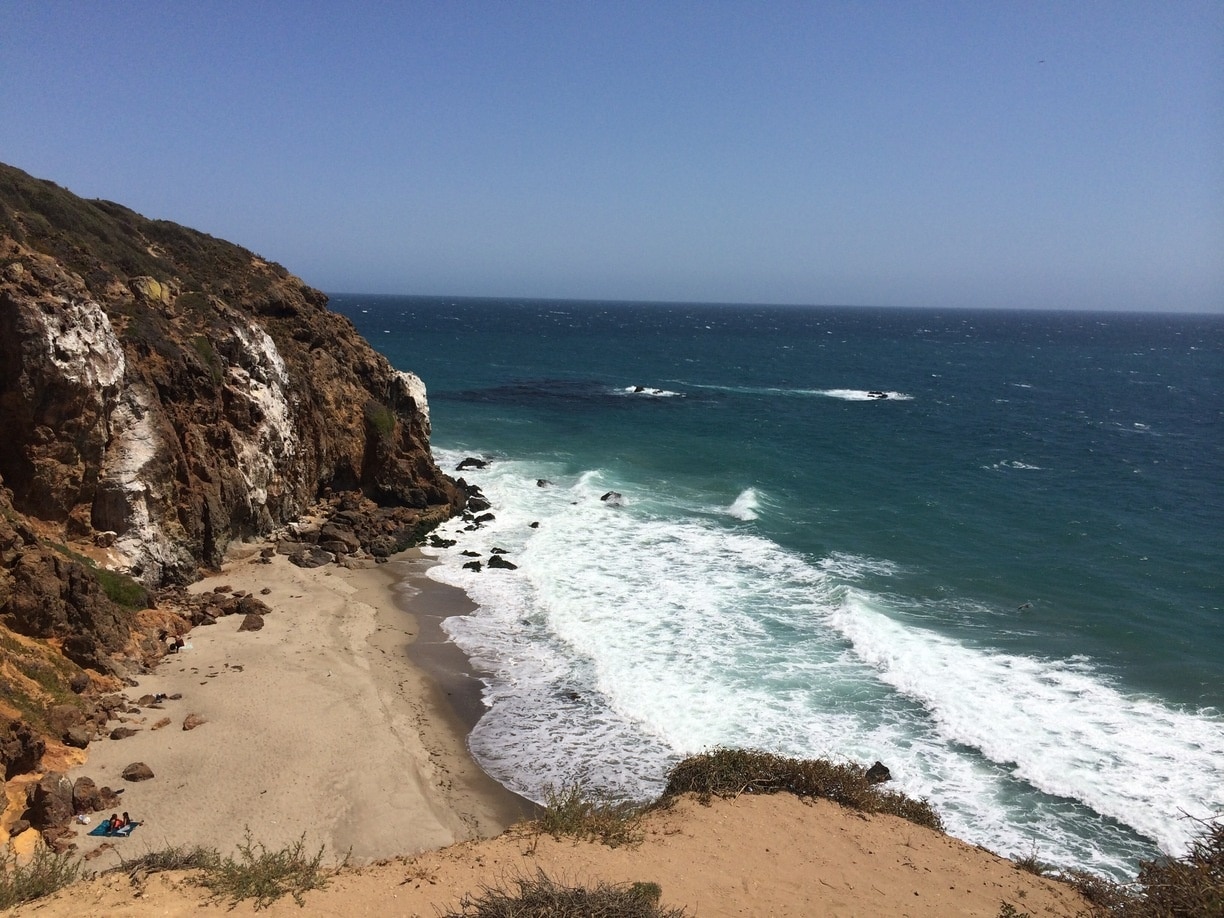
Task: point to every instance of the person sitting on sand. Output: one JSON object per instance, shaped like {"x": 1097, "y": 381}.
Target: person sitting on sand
{"x": 109, "y": 825}
{"x": 125, "y": 825}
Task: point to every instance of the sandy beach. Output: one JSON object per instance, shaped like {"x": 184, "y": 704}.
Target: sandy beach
{"x": 324, "y": 725}
{"x": 317, "y": 724}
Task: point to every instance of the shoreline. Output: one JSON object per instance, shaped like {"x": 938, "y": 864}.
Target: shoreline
{"x": 322, "y": 725}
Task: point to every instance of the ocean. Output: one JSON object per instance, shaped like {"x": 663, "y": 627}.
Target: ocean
{"x": 981, "y": 547}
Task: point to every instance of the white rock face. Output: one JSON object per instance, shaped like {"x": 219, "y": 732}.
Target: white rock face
{"x": 129, "y": 500}
{"x": 413, "y": 387}
{"x": 81, "y": 344}
{"x": 260, "y": 377}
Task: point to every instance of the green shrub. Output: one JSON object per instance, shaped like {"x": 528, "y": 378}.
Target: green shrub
{"x": 119, "y": 588}
{"x": 208, "y": 355}
{"x": 265, "y": 875}
{"x": 122, "y": 589}
{"x": 380, "y": 418}
{"x": 731, "y": 772}
{"x": 1030, "y": 863}
{"x": 572, "y": 811}
{"x": 541, "y": 897}
{"x": 45, "y": 874}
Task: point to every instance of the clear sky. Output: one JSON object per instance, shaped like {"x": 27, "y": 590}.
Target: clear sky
{"x": 988, "y": 153}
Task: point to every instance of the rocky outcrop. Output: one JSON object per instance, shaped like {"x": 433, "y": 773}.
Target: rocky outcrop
{"x": 180, "y": 392}
{"x": 163, "y": 393}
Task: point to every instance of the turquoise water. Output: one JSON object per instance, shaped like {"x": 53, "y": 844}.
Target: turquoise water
{"x": 1002, "y": 578}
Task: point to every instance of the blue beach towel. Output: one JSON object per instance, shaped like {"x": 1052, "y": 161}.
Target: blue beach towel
{"x": 103, "y": 828}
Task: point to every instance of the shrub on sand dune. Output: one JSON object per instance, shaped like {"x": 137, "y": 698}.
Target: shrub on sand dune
{"x": 542, "y": 897}
{"x": 731, "y": 772}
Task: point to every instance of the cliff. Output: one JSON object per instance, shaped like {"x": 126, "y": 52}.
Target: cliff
{"x": 163, "y": 393}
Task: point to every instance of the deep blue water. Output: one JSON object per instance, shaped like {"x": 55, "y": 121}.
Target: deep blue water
{"x": 1002, "y": 579}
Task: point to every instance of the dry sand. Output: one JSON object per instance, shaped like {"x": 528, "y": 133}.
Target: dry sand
{"x": 316, "y": 725}
{"x": 319, "y": 725}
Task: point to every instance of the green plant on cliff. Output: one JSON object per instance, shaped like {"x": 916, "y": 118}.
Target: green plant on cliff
{"x": 34, "y": 677}
{"x": 542, "y": 897}
{"x": 380, "y": 418}
{"x": 208, "y": 356}
{"x": 46, "y": 873}
{"x": 731, "y": 772}
{"x": 119, "y": 588}
{"x": 572, "y": 810}
{"x": 265, "y": 876}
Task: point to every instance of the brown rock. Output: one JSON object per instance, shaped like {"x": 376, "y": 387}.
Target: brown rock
{"x": 137, "y": 771}
{"x": 77, "y": 737}
{"x": 86, "y": 796}
{"x": 123, "y": 733}
{"x": 251, "y": 622}
{"x": 49, "y": 802}
{"x": 164, "y": 722}
{"x": 249, "y": 605}
{"x": 21, "y": 748}
{"x": 191, "y": 721}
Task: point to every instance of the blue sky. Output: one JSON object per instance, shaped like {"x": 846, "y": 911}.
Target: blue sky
{"x": 997, "y": 154}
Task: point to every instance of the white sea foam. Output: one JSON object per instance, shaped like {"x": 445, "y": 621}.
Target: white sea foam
{"x": 849, "y": 395}
{"x": 745, "y": 506}
{"x": 1056, "y": 724}
{"x": 630, "y": 636}
{"x": 864, "y": 395}
{"x": 649, "y": 392}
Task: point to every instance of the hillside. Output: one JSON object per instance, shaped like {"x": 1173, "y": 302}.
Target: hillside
{"x": 162, "y": 394}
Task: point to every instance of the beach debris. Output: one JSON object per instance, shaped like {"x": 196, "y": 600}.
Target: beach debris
{"x": 137, "y": 771}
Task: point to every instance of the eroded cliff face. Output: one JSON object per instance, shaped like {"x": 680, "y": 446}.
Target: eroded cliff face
{"x": 163, "y": 393}
{"x": 180, "y": 392}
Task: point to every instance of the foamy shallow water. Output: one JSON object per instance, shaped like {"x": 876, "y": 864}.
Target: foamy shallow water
{"x": 633, "y": 635}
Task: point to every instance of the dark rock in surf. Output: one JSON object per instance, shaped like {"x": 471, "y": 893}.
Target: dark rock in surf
{"x": 878, "y": 773}
{"x": 614, "y": 498}
{"x": 471, "y": 462}
{"x": 499, "y": 561}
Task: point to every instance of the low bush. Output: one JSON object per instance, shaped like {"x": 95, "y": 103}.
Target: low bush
{"x": 46, "y": 873}
{"x": 730, "y": 772}
{"x": 264, "y": 875}
{"x": 1188, "y": 886}
{"x": 542, "y": 897}
{"x": 182, "y": 857}
{"x": 572, "y": 810}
